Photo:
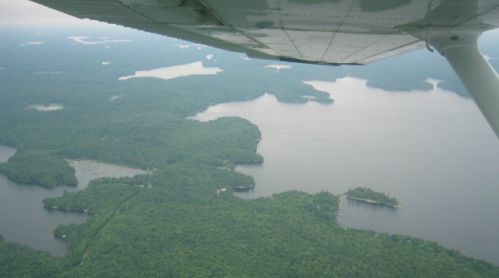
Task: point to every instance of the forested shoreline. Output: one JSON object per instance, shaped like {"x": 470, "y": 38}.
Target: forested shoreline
{"x": 39, "y": 168}
{"x": 172, "y": 222}
{"x": 364, "y": 194}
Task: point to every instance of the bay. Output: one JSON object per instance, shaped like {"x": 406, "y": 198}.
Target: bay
{"x": 432, "y": 150}
{"x": 24, "y": 220}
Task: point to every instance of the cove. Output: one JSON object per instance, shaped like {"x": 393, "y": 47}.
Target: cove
{"x": 24, "y": 220}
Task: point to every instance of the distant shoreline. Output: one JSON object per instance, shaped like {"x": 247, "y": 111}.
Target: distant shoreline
{"x": 373, "y": 202}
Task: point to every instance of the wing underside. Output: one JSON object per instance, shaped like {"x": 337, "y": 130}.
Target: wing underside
{"x": 313, "y": 31}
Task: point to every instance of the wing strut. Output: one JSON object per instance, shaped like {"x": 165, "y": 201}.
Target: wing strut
{"x": 460, "y": 48}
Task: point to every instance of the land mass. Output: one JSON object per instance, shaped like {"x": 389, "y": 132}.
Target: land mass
{"x": 38, "y": 167}
{"x": 177, "y": 225}
{"x": 370, "y": 196}
{"x": 179, "y": 228}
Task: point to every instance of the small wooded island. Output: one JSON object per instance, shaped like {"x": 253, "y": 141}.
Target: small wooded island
{"x": 370, "y": 196}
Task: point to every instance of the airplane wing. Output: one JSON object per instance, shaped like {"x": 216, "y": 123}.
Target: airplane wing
{"x": 319, "y": 31}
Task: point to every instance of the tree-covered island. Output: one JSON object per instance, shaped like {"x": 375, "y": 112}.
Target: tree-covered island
{"x": 370, "y": 196}
{"x": 39, "y": 167}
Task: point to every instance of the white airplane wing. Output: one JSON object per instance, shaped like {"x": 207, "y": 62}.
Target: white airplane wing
{"x": 320, "y": 31}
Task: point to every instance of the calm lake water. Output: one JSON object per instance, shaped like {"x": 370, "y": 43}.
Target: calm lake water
{"x": 24, "y": 220}
{"x": 431, "y": 150}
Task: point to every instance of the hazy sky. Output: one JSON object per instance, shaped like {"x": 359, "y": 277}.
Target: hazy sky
{"x": 23, "y": 12}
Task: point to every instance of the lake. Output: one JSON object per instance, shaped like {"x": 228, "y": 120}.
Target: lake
{"x": 23, "y": 218}
{"x": 172, "y": 72}
{"x": 46, "y": 107}
{"x": 432, "y": 150}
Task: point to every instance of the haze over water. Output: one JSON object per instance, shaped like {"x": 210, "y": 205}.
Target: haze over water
{"x": 431, "y": 150}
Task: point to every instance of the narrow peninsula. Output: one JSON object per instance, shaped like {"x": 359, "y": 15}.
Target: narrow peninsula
{"x": 370, "y": 196}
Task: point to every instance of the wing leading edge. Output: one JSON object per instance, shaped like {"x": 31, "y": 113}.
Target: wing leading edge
{"x": 312, "y": 31}
{"x": 317, "y": 31}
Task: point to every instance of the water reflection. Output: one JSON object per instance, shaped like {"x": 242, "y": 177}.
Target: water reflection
{"x": 432, "y": 150}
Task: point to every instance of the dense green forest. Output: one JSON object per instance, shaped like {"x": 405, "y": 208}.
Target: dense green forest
{"x": 371, "y": 196}
{"x": 179, "y": 227}
{"x": 38, "y": 167}
{"x": 172, "y": 223}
